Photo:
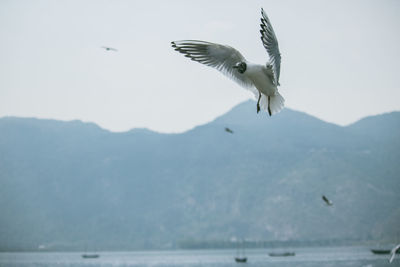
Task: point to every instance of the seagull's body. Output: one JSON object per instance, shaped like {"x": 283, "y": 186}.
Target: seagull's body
{"x": 327, "y": 201}
{"x": 262, "y": 80}
{"x": 393, "y": 252}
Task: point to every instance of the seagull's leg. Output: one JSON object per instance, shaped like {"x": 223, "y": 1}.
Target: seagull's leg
{"x": 269, "y": 109}
{"x": 258, "y": 102}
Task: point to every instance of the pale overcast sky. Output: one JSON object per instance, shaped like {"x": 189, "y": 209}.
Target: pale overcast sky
{"x": 340, "y": 59}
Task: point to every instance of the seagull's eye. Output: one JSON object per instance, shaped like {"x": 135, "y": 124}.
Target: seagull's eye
{"x": 241, "y": 67}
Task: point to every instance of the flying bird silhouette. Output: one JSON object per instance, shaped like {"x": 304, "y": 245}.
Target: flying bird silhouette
{"x": 327, "y": 201}
{"x": 393, "y": 252}
{"x": 262, "y": 80}
{"x": 228, "y": 130}
{"x": 109, "y": 48}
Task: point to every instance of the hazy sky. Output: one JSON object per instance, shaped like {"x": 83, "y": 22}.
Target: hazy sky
{"x": 340, "y": 59}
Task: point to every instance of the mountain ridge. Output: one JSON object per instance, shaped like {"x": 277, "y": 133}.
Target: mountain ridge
{"x": 236, "y": 109}
{"x": 63, "y": 185}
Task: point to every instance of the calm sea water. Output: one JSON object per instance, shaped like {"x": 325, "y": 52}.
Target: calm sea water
{"x": 321, "y": 257}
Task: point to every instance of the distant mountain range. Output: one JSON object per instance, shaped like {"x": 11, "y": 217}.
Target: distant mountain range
{"x": 70, "y": 185}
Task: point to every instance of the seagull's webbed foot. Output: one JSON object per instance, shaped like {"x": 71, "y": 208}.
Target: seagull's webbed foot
{"x": 258, "y": 102}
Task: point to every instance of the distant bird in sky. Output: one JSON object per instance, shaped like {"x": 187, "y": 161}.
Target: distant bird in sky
{"x": 327, "y": 201}
{"x": 393, "y": 252}
{"x": 228, "y": 130}
{"x": 109, "y": 48}
{"x": 262, "y": 80}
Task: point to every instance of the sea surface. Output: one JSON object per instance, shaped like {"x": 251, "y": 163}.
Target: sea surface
{"x": 321, "y": 257}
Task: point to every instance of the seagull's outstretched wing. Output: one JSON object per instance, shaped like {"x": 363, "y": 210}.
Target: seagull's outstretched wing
{"x": 271, "y": 45}
{"x": 221, "y": 57}
{"x": 393, "y": 252}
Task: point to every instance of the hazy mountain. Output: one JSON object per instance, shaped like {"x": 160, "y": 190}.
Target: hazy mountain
{"x": 68, "y": 185}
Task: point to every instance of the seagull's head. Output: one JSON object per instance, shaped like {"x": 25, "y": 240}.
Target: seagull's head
{"x": 241, "y": 67}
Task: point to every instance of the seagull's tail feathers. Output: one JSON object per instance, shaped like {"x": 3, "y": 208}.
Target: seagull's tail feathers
{"x": 277, "y": 102}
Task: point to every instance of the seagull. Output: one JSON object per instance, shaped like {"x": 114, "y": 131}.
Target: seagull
{"x": 393, "y": 253}
{"x": 262, "y": 80}
{"x": 327, "y": 201}
{"x": 228, "y": 130}
{"x": 109, "y": 48}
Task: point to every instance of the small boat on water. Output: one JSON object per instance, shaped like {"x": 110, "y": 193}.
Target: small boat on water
{"x": 380, "y": 251}
{"x": 241, "y": 259}
{"x": 90, "y": 256}
{"x": 384, "y": 251}
{"x": 241, "y": 252}
{"x": 281, "y": 254}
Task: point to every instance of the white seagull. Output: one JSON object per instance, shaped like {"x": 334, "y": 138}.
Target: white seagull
{"x": 107, "y": 48}
{"x": 393, "y": 253}
{"x": 262, "y": 80}
{"x": 228, "y": 130}
{"x": 327, "y": 201}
